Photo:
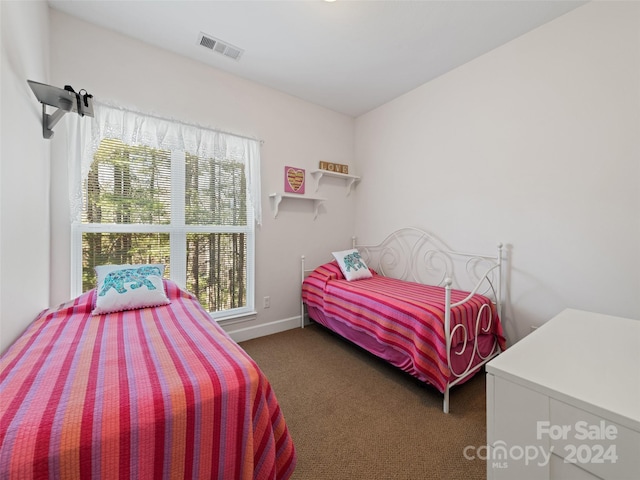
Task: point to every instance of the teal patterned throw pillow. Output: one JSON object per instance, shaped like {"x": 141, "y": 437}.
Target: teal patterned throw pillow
{"x": 352, "y": 265}
{"x": 127, "y": 287}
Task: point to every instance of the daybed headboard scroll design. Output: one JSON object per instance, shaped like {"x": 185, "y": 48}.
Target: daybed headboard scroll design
{"x": 414, "y": 255}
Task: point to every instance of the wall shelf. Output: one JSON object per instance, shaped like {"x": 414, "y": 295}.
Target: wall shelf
{"x": 350, "y": 179}
{"x": 276, "y": 198}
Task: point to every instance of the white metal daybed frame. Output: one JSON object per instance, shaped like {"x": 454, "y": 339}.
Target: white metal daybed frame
{"x": 413, "y": 255}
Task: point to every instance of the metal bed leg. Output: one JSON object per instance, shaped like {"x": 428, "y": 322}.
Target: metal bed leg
{"x": 445, "y": 405}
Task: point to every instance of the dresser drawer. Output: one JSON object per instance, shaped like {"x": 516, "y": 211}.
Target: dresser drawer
{"x": 599, "y": 446}
{"x": 560, "y": 470}
{"x": 512, "y": 415}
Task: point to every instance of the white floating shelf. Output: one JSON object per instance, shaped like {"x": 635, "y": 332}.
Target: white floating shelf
{"x": 276, "y": 198}
{"x": 350, "y": 179}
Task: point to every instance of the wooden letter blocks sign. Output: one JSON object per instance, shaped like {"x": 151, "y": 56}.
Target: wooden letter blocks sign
{"x": 334, "y": 167}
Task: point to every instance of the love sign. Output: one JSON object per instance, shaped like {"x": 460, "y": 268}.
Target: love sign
{"x": 293, "y": 180}
{"x": 334, "y": 167}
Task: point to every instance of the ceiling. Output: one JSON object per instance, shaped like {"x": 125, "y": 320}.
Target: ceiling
{"x": 348, "y": 56}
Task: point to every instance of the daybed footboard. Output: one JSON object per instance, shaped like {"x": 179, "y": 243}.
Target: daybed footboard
{"x": 412, "y": 255}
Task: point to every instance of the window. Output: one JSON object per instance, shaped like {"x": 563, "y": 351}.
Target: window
{"x": 189, "y": 211}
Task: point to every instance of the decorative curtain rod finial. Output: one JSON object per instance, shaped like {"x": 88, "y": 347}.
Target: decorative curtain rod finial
{"x": 64, "y": 99}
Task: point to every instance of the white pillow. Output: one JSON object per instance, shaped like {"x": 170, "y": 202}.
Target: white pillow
{"x": 127, "y": 287}
{"x": 352, "y": 264}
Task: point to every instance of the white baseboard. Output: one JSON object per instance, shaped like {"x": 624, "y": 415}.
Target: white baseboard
{"x": 247, "y": 333}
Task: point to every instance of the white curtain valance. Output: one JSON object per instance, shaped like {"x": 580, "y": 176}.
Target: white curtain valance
{"x": 133, "y": 128}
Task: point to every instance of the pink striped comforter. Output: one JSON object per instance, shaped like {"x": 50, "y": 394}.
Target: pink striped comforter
{"x": 152, "y": 393}
{"x": 405, "y": 316}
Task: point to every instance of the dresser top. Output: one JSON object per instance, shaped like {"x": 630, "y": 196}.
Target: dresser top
{"x": 587, "y": 359}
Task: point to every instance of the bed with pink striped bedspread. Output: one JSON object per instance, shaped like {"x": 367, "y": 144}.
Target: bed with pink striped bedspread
{"x": 157, "y": 392}
{"x": 404, "y": 316}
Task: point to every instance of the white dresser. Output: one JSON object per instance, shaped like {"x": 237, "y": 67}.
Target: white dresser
{"x": 564, "y": 402}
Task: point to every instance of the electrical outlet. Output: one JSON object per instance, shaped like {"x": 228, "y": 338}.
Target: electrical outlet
{"x": 266, "y": 303}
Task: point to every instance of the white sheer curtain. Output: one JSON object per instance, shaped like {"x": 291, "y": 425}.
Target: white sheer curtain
{"x": 134, "y": 128}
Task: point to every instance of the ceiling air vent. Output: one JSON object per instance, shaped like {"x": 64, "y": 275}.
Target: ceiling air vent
{"x": 218, "y": 46}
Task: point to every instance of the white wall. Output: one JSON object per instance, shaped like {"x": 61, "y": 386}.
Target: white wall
{"x": 24, "y": 169}
{"x": 119, "y": 69}
{"x": 534, "y": 144}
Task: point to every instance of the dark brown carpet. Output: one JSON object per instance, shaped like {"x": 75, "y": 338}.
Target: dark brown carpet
{"x": 352, "y": 416}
